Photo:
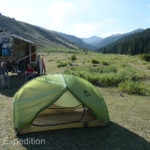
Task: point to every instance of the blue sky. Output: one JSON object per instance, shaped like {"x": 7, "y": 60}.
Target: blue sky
{"x": 82, "y": 18}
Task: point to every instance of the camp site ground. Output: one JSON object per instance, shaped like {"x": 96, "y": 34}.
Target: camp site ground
{"x": 129, "y": 113}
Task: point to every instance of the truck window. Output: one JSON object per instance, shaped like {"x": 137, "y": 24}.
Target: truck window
{"x": 5, "y": 40}
{"x": 5, "y": 52}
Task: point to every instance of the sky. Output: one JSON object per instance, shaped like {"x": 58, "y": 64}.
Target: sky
{"x": 82, "y": 18}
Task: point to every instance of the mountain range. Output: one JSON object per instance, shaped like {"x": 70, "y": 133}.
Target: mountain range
{"x": 101, "y": 42}
{"x": 92, "y": 39}
{"x": 77, "y": 41}
{"x": 48, "y": 38}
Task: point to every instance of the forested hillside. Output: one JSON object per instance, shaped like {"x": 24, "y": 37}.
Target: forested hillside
{"x": 113, "y": 38}
{"x": 137, "y": 43}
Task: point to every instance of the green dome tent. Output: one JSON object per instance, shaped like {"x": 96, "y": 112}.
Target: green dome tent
{"x": 56, "y": 102}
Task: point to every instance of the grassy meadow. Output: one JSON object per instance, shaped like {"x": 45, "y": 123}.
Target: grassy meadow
{"x": 123, "y": 81}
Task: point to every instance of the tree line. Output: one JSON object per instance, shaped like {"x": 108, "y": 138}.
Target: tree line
{"x": 137, "y": 43}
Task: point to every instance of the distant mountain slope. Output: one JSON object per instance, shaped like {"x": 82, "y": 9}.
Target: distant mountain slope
{"x": 77, "y": 41}
{"x": 43, "y": 36}
{"x": 136, "y": 43}
{"x": 108, "y": 40}
{"x": 92, "y": 39}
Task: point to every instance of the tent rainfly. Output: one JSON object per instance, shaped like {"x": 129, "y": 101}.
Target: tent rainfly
{"x": 56, "y": 102}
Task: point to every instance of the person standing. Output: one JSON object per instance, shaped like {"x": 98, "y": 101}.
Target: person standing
{"x": 4, "y": 74}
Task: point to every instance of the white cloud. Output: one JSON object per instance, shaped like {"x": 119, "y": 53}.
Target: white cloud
{"x": 65, "y": 16}
{"x": 60, "y": 12}
{"x": 112, "y": 33}
{"x": 76, "y": 17}
{"x": 17, "y": 13}
{"x": 9, "y": 9}
{"x": 88, "y": 29}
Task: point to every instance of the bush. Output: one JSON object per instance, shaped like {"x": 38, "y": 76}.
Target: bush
{"x": 94, "y": 61}
{"x": 125, "y": 65}
{"x": 74, "y": 57}
{"x": 148, "y": 67}
{"x": 131, "y": 87}
{"x": 93, "y": 78}
{"x": 58, "y": 61}
{"x": 105, "y": 63}
{"x": 108, "y": 76}
{"x": 50, "y": 60}
{"x": 102, "y": 69}
{"x": 145, "y": 57}
{"x": 62, "y": 64}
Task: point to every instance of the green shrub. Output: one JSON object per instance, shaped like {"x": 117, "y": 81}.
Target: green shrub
{"x": 109, "y": 79}
{"x": 94, "y": 61}
{"x": 74, "y": 57}
{"x": 107, "y": 75}
{"x": 102, "y": 69}
{"x": 58, "y": 61}
{"x": 63, "y": 64}
{"x": 50, "y": 60}
{"x": 105, "y": 63}
{"x": 148, "y": 67}
{"x": 93, "y": 78}
{"x": 145, "y": 57}
{"x": 125, "y": 65}
{"x": 131, "y": 87}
